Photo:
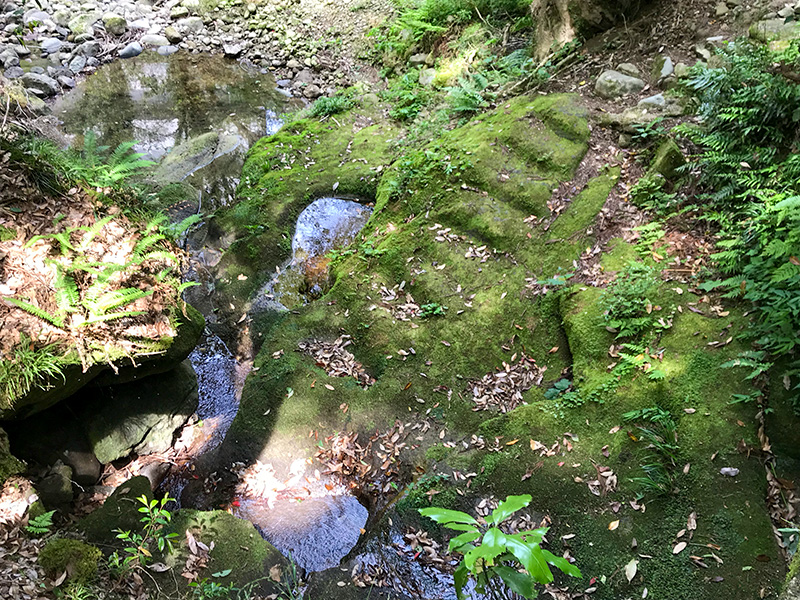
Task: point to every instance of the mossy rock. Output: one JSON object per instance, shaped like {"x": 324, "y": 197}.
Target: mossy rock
{"x": 120, "y": 511}
{"x": 237, "y": 546}
{"x": 667, "y": 159}
{"x": 78, "y": 559}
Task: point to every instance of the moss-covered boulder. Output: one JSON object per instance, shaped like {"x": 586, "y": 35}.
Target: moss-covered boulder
{"x": 153, "y": 358}
{"x": 75, "y": 558}
{"x": 120, "y": 511}
{"x": 238, "y": 546}
{"x": 141, "y": 416}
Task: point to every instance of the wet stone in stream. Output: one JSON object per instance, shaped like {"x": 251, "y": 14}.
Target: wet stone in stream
{"x": 317, "y": 532}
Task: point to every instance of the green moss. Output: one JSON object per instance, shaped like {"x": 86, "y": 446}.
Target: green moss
{"x": 7, "y": 234}
{"x": 120, "y": 511}
{"x": 78, "y": 559}
{"x": 237, "y": 546}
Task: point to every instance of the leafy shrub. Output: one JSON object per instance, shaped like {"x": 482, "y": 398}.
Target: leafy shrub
{"x": 494, "y": 562}
{"x": 470, "y": 95}
{"x": 407, "y": 97}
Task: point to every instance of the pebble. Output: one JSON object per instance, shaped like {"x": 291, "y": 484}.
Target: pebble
{"x": 131, "y": 50}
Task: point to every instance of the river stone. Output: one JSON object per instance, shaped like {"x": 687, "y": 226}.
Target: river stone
{"x": 51, "y": 45}
{"x": 141, "y": 24}
{"x": 82, "y": 24}
{"x": 190, "y": 25}
{"x": 55, "y": 489}
{"x": 775, "y": 29}
{"x": 89, "y": 49}
{"x": 46, "y": 86}
{"x": 178, "y": 12}
{"x": 13, "y": 72}
{"x": 153, "y": 41}
{"x": 77, "y": 64}
{"x": 35, "y": 15}
{"x": 115, "y": 24}
{"x": 653, "y": 101}
{"x": 628, "y": 69}
{"x": 312, "y": 91}
{"x": 119, "y": 511}
{"x": 173, "y": 35}
{"x": 142, "y": 416}
{"x": 197, "y": 152}
{"x": 232, "y": 50}
{"x": 166, "y": 50}
{"x": 131, "y": 50}
{"x": 613, "y": 84}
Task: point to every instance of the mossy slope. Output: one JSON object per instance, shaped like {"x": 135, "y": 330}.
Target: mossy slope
{"x": 452, "y": 227}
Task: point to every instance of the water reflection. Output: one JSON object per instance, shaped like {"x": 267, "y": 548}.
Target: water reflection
{"x": 163, "y": 102}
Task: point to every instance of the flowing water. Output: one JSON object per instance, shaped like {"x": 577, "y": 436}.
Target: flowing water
{"x": 197, "y": 115}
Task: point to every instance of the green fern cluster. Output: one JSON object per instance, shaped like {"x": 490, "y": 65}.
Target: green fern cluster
{"x": 93, "y": 164}
{"x": 749, "y": 173}
{"x": 100, "y": 298}
{"x": 749, "y": 113}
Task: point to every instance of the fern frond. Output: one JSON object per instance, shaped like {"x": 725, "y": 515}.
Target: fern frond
{"x": 36, "y": 311}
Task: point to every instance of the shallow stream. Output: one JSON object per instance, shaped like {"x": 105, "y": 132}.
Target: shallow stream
{"x": 197, "y": 115}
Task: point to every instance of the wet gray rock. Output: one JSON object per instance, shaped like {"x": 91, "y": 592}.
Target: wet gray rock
{"x": 153, "y": 41}
{"x": 613, "y": 84}
{"x": 65, "y": 81}
{"x": 305, "y": 76}
{"x": 46, "y": 86}
{"x": 662, "y": 68}
{"x": 51, "y": 45}
{"x": 131, "y": 50}
{"x": 77, "y": 64}
{"x": 166, "y": 50}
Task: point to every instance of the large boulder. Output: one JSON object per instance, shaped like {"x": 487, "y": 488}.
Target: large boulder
{"x": 194, "y": 154}
{"x": 142, "y": 416}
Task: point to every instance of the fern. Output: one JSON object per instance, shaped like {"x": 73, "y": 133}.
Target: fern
{"x": 114, "y": 299}
{"x": 54, "y": 320}
{"x": 41, "y": 524}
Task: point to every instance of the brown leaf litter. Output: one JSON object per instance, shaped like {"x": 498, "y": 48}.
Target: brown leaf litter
{"x": 503, "y": 389}
{"x": 336, "y": 360}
